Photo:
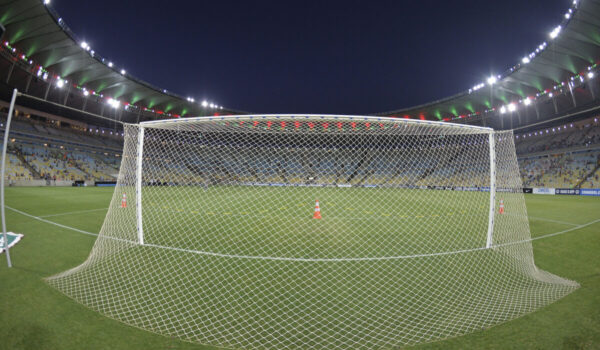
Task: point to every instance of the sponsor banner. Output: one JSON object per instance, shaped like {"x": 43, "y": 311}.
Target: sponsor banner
{"x": 471, "y": 189}
{"x": 590, "y": 192}
{"x": 344, "y": 185}
{"x": 567, "y": 191}
{"x": 527, "y": 190}
{"x": 370, "y": 186}
{"x": 105, "y": 183}
{"x": 550, "y": 191}
{"x": 13, "y": 238}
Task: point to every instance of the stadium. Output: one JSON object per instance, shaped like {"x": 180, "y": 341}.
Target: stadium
{"x": 137, "y": 218}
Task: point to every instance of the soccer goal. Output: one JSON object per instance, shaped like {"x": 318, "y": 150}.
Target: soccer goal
{"x": 314, "y": 232}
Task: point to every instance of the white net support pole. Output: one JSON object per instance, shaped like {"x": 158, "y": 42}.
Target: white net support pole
{"x": 138, "y": 186}
{"x": 5, "y": 145}
{"x": 490, "y": 234}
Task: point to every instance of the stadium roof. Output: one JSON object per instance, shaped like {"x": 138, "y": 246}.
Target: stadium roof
{"x": 56, "y": 67}
{"x": 556, "y": 73}
{"x": 47, "y": 48}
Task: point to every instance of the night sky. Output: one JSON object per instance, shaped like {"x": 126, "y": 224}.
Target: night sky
{"x": 345, "y": 56}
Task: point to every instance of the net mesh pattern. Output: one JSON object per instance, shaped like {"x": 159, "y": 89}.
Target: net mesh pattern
{"x": 233, "y": 257}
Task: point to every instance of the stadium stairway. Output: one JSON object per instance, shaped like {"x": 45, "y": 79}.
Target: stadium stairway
{"x": 17, "y": 152}
{"x": 588, "y": 176}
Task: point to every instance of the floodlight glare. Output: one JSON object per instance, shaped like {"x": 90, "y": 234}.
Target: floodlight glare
{"x": 60, "y": 83}
{"x": 86, "y": 93}
{"x": 204, "y": 104}
{"x": 113, "y": 103}
{"x": 492, "y": 80}
{"x": 110, "y": 64}
{"x": 555, "y": 32}
{"x": 512, "y": 107}
{"x": 590, "y": 75}
{"x": 502, "y": 109}
{"x": 525, "y": 60}
{"x": 212, "y": 105}
{"x": 527, "y": 101}
{"x": 123, "y": 71}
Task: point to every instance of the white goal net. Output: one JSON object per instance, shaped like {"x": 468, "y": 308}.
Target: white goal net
{"x": 318, "y": 232}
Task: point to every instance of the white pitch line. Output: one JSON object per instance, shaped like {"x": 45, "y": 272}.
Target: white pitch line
{"x": 565, "y": 231}
{"x": 554, "y": 221}
{"x": 72, "y": 212}
{"x": 309, "y": 259}
{"x": 52, "y": 222}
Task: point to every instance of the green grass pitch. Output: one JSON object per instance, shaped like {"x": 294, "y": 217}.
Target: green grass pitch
{"x": 35, "y": 316}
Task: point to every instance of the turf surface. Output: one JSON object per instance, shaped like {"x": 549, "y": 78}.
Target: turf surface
{"x": 36, "y": 316}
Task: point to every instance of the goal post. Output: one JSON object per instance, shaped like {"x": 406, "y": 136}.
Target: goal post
{"x": 138, "y": 185}
{"x": 490, "y": 232}
{"x": 314, "y": 231}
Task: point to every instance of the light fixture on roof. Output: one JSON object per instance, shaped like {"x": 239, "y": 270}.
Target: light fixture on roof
{"x": 123, "y": 72}
{"x": 46, "y": 2}
{"x": 512, "y": 107}
{"x": 85, "y": 92}
{"x": 85, "y": 46}
{"x": 590, "y": 75}
{"x": 554, "y": 33}
{"x": 525, "y": 60}
{"x": 527, "y": 101}
{"x": 204, "y": 103}
{"x": 212, "y": 105}
{"x": 550, "y": 95}
{"x": 60, "y": 83}
{"x": 113, "y": 103}
{"x": 221, "y": 107}
{"x": 492, "y": 80}
{"x": 567, "y": 15}
{"x": 110, "y": 64}
{"x": 502, "y": 109}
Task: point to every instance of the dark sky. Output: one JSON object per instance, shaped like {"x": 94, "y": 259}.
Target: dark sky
{"x": 323, "y": 56}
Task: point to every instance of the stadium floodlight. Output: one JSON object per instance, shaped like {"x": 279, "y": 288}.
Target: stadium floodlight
{"x": 302, "y": 232}
{"x": 590, "y": 75}
{"x": 123, "y": 71}
{"x": 212, "y": 105}
{"x": 502, "y": 109}
{"x": 554, "y": 33}
{"x": 492, "y": 80}
{"x": 60, "y": 83}
{"x": 527, "y": 101}
{"x": 85, "y": 46}
{"x": 85, "y": 92}
{"x": 204, "y": 103}
{"x": 220, "y": 107}
{"x": 110, "y": 64}
{"x": 512, "y": 107}
{"x": 526, "y": 60}
{"x": 114, "y": 103}
{"x": 46, "y": 2}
